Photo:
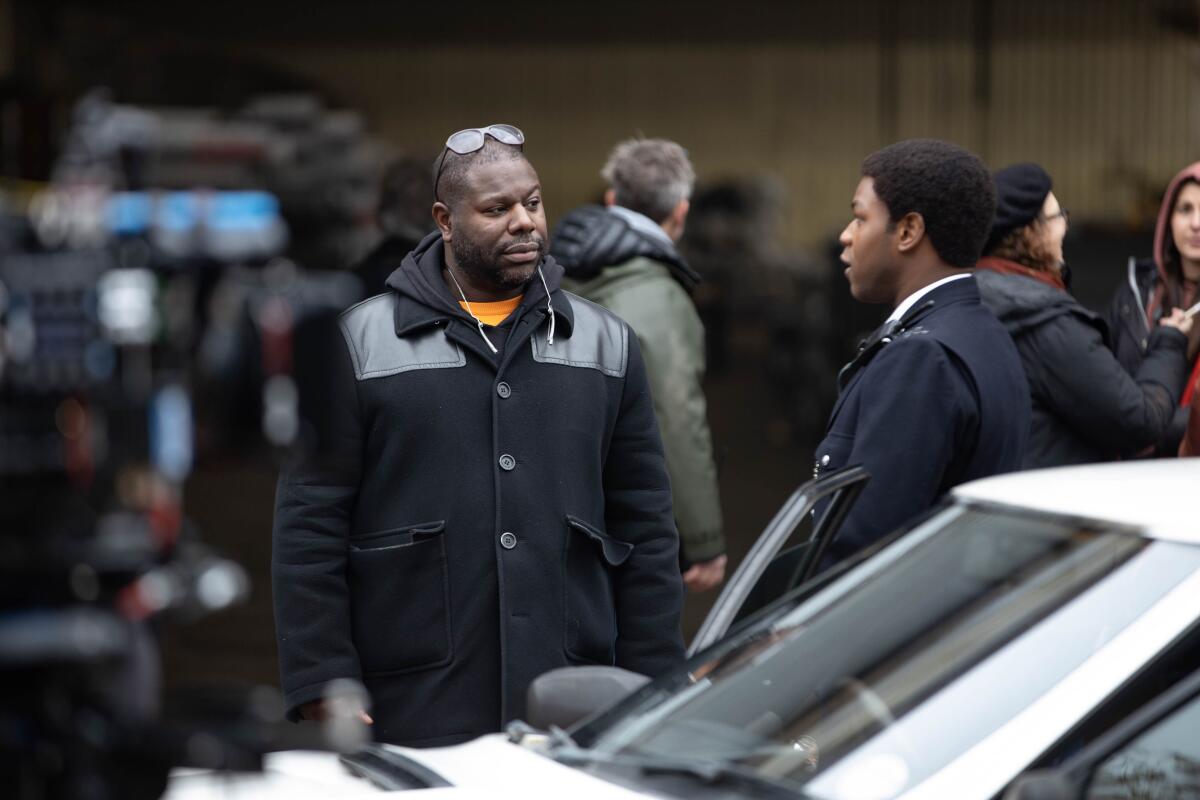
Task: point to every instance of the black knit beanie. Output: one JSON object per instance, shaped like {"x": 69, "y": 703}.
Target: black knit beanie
{"x": 1020, "y": 194}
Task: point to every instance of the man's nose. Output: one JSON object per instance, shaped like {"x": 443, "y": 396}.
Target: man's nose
{"x": 845, "y": 240}
{"x": 521, "y": 220}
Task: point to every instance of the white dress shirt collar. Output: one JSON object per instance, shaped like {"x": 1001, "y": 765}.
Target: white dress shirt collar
{"x": 912, "y": 299}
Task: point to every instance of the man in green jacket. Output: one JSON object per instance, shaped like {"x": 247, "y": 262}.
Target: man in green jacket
{"x": 623, "y": 256}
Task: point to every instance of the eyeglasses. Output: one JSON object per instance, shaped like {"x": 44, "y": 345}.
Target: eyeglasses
{"x": 1062, "y": 212}
{"x": 470, "y": 140}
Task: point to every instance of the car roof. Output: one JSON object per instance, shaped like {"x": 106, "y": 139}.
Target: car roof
{"x": 1156, "y": 496}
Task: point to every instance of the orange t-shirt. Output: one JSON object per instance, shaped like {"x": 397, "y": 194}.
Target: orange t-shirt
{"x": 493, "y": 313}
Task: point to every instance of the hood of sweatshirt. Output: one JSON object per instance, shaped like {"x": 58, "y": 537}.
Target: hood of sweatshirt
{"x": 1168, "y": 269}
{"x": 590, "y": 238}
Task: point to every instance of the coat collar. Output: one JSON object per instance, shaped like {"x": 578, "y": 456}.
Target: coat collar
{"x": 951, "y": 293}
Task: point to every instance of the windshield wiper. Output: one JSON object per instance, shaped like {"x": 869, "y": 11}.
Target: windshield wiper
{"x": 710, "y": 772}
{"x": 391, "y": 771}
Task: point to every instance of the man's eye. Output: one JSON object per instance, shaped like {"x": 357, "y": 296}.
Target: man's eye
{"x": 495, "y": 210}
{"x": 534, "y": 203}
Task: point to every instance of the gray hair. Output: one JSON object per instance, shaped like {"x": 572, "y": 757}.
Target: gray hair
{"x": 649, "y": 176}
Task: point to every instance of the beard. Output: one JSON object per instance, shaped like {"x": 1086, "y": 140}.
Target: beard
{"x": 488, "y": 267}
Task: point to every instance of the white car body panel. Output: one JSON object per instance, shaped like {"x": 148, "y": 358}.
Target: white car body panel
{"x": 492, "y": 764}
{"x": 483, "y": 769}
{"x": 1165, "y": 507}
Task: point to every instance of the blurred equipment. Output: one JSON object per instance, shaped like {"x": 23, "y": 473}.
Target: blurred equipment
{"x": 150, "y": 273}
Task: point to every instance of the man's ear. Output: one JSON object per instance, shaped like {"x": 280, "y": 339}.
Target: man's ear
{"x": 610, "y": 197}
{"x": 674, "y": 224}
{"x": 441, "y": 215}
{"x": 680, "y": 212}
{"x": 910, "y": 231}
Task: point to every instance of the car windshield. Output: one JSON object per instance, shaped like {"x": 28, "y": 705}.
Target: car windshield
{"x": 978, "y": 608}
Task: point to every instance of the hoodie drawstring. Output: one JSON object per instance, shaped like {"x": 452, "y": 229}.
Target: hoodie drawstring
{"x": 466, "y": 303}
{"x": 549, "y": 308}
{"x": 479, "y": 322}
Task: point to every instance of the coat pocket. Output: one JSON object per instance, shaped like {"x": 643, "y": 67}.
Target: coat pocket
{"x": 400, "y": 599}
{"x": 590, "y": 557}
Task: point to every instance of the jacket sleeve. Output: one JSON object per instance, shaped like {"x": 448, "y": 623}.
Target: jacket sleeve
{"x": 637, "y": 495}
{"x": 672, "y": 340}
{"x": 314, "y": 504}
{"x": 907, "y": 440}
{"x": 1087, "y": 388}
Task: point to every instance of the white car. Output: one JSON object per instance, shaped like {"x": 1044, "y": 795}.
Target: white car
{"x": 1010, "y": 628}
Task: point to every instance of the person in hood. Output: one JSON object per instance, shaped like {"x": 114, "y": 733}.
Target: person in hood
{"x": 624, "y": 257}
{"x": 1086, "y": 407}
{"x": 936, "y": 395}
{"x": 1155, "y": 287}
{"x": 498, "y": 503}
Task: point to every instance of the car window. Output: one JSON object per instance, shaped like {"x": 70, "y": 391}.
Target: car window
{"x": 1162, "y": 763}
{"x": 786, "y": 554}
{"x": 978, "y": 609}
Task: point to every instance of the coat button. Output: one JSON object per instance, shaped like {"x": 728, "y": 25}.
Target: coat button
{"x": 504, "y": 390}
{"x": 507, "y": 462}
{"x": 508, "y": 540}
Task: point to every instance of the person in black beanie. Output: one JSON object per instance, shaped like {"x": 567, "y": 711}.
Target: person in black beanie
{"x": 1086, "y": 407}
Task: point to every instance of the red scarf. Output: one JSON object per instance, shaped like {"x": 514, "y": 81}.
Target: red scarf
{"x": 1013, "y": 268}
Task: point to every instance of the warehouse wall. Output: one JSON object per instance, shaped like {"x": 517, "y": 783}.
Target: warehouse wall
{"x": 1100, "y": 93}
{"x": 1103, "y": 92}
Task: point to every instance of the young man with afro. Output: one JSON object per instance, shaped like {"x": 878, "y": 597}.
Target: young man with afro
{"x": 936, "y": 396}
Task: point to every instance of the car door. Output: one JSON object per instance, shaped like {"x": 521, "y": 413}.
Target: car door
{"x": 770, "y": 569}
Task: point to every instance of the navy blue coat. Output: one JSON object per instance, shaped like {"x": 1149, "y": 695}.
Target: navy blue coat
{"x": 939, "y": 399}
{"x": 482, "y": 519}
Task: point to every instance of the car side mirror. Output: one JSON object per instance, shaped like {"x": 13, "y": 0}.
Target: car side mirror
{"x": 562, "y": 697}
{"x": 1043, "y": 784}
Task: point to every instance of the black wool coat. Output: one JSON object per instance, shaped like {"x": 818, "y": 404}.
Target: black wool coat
{"x": 1086, "y": 407}
{"x": 933, "y": 401}
{"x": 482, "y": 519}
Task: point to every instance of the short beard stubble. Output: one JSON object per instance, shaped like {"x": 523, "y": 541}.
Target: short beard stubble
{"x": 486, "y": 268}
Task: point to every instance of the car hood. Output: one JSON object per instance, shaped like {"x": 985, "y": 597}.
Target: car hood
{"x": 487, "y": 767}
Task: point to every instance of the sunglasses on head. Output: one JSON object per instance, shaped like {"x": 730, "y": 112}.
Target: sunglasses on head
{"x": 470, "y": 140}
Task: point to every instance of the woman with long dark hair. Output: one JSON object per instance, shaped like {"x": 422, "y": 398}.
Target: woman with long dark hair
{"x": 1086, "y": 406}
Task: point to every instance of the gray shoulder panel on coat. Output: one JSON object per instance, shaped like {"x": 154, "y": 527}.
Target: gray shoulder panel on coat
{"x": 377, "y": 352}
{"x": 599, "y": 340}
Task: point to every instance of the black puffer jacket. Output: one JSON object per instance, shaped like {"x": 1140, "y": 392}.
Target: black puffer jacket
{"x": 1086, "y": 407}
{"x": 1130, "y": 330}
